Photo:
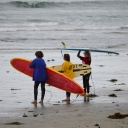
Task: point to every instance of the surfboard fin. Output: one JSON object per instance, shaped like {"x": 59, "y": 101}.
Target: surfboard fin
{"x": 77, "y": 95}
{"x": 64, "y": 46}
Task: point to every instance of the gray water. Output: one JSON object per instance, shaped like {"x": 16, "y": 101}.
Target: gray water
{"x": 29, "y": 25}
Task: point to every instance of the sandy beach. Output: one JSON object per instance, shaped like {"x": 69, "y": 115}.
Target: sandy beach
{"x": 16, "y": 94}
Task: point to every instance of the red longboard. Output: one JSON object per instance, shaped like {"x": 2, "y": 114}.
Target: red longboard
{"x": 54, "y": 78}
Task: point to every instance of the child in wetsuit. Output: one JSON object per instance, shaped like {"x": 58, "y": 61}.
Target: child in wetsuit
{"x": 39, "y": 75}
{"x": 85, "y": 60}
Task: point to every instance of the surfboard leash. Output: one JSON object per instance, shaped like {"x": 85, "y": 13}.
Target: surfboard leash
{"x": 49, "y": 98}
{"x": 61, "y": 53}
{"x": 93, "y": 84}
{"x": 48, "y": 101}
{"x": 75, "y": 98}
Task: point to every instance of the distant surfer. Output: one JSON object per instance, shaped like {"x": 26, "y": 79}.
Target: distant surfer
{"x": 39, "y": 75}
{"x": 67, "y": 68}
{"x": 85, "y": 60}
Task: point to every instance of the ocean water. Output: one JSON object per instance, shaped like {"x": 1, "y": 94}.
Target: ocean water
{"x": 27, "y": 25}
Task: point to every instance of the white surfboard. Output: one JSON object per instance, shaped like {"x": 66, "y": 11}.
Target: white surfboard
{"x": 79, "y": 69}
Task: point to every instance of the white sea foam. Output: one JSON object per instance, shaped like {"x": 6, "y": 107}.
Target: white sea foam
{"x": 97, "y": 23}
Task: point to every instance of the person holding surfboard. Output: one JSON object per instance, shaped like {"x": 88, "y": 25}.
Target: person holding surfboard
{"x": 85, "y": 60}
{"x": 67, "y": 68}
{"x": 39, "y": 75}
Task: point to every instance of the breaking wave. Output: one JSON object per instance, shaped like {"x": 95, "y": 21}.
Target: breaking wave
{"x": 64, "y": 4}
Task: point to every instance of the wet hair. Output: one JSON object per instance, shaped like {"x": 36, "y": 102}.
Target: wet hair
{"x": 39, "y": 54}
{"x": 67, "y": 57}
{"x": 89, "y": 55}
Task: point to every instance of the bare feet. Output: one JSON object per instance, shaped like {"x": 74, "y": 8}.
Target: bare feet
{"x": 83, "y": 94}
{"x": 87, "y": 94}
{"x": 34, "y": 102}
{"x": 41, "y": 101}
{"x": 67, "y": 99}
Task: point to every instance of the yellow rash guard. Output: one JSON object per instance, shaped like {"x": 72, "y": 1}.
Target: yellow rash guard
{"x": 67, "y": 67}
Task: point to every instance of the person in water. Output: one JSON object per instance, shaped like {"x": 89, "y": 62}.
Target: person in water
{"x": 39, "y": 75}
{"x": 86, "y": 59}
{"x": 67, "y": 68}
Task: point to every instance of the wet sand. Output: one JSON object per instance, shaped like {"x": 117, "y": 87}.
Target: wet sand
{"x": 16, "y": 94}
